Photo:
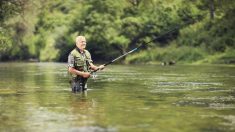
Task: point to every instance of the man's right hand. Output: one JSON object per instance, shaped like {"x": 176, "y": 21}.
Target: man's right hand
{"x": 86, "y": 74}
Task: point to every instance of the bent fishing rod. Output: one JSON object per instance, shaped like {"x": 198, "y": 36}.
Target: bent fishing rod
{"x": 142, "y": 45}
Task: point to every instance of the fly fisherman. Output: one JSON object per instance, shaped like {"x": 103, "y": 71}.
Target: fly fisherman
{"x": 80, "y": 64}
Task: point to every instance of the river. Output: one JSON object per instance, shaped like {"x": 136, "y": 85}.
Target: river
{"x": 37, "y": 97}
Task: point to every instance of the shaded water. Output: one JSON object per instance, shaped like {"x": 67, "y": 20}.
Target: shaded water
{"x": 37, "y": 97}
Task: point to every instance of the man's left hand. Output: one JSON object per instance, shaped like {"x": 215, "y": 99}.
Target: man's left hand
{"x": 101, "y": 67}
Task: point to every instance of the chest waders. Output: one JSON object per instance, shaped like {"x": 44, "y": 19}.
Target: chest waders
{"x": 78, "y": 84}
{"x": 81, "y": 63}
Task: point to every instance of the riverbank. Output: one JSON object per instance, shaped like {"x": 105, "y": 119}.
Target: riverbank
{"x": 182, "y": 55}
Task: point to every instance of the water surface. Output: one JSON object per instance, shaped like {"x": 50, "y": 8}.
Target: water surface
{"x": 37, "y": 97}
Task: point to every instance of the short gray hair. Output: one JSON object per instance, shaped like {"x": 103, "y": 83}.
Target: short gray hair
{"x": 78, "y": 38}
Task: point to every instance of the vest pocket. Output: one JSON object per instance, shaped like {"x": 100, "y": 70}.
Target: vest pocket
{"x": 79, "y": 63}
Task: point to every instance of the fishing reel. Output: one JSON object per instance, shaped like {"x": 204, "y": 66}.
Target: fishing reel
{"x": 93, "y": 75}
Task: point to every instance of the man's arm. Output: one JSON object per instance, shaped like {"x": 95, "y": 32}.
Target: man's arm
{"x": 94, "y": 67}
{"x": 80, "y": 73}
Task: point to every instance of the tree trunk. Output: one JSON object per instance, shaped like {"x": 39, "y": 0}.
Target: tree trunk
{"x": 212, "y": 9}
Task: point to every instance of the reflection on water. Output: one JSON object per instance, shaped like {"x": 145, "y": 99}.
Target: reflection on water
{"x": 37, "y": 97}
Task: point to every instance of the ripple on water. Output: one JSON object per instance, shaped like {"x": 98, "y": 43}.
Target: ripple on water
{"x": 92, "y": 129}
{"x": 44, "y": 118}
{"x": 187, "y": 84}
{"x": 230, "y": 120}
{"x": 220, "y": 106}
{"x": 215, "y": 102}
{"x": 168, "y": 87}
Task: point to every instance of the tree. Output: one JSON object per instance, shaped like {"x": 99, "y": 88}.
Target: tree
{"x": 9, "y": 9}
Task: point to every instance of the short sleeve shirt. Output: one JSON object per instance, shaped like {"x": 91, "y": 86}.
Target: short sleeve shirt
{"x": 71, "y": 60}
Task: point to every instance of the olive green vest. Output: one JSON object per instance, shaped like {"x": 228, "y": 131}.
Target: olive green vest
{"x": 81, "y": 62}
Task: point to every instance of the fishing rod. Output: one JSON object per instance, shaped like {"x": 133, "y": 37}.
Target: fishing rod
{"x": 143, "y": 44}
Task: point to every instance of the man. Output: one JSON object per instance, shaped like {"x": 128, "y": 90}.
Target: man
{"x": 79, "y": 65}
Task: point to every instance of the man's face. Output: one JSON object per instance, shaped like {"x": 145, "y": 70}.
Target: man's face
{"x": 81, "y": 43}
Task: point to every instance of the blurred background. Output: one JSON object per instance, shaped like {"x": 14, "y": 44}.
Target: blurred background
{"x": 180, "y": 98}
{"x": 44, "y": 30}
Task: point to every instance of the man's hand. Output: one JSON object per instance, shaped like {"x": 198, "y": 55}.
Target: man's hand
{"x": 101, "y": 67}
{"x": 86, "y": 74}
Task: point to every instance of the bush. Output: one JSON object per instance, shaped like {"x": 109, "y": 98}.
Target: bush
{"x": 184, "y": 54}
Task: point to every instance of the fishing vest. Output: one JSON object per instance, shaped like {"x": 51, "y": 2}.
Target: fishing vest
{"x": 81, "y": 60}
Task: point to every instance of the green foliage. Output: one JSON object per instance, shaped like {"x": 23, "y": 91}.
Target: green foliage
{"x": 214, "y": 36}
{"x": 9, "y": 8}
{"x": 5, "y": 44}
{"x": 45, "y": 30}
{"x": 166, "y": 54}
{"x": 227, "y": 57}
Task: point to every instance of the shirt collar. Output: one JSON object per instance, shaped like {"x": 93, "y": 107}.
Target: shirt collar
{"x": 80, "y": 50}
